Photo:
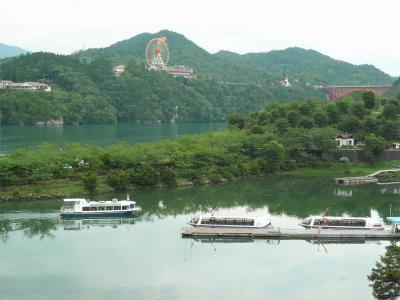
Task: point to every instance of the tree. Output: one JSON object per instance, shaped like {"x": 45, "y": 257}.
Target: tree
{"x": 273, "y": 154}
{"x": 349, "y": 123}
{"x": 306, "y": 122}
{"x": 320, "y": 118}
{"x": 236, "y": 120}
{"x": 281, "y": 126}
{"x": 385, "y": 276}
{"x": 369, "y": 100}
{"x": 118, "y": 180}
{"x": 358, "y": 110}
{"x": 375, "y": 144}
{"x": 90, "y": 183}
{"x": 292, "y": 118}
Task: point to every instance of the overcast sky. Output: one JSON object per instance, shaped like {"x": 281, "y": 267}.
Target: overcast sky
{"x": 357, "y": 31}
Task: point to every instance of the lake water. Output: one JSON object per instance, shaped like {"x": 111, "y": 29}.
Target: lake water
{"x": 44, "y": 257}
{"x": 13, "y": 137}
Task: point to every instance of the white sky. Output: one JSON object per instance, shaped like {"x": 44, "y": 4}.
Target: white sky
{"x": 357, "y": 31}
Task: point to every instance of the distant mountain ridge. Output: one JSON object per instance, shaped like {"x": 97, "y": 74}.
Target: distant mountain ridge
{"x": 10, "y": 51}
{"x": 307, "y": 66}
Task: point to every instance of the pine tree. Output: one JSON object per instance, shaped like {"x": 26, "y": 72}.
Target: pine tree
{"x": 385, "y": 276}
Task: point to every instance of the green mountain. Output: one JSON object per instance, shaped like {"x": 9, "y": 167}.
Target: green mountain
{"x": 9, "y": 51}
{"x": 306, "y": 66}
{"x": 90, "y": 92}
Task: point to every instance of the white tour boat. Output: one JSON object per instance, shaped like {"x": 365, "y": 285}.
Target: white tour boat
{"x": 372, "y": 223}
{"x": 229, "y": 221}
{"x": 84, "y": 208}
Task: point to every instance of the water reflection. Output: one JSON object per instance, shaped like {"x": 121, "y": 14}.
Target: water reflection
{"x": 146, "y": 256}
{"x": 45, "y": 227}
{"x": 84, "y": 224}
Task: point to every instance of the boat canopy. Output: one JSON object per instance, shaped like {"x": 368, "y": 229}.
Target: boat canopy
{"x": 394, "y": 220}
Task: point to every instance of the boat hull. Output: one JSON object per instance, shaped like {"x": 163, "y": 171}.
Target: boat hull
{"x": 97, "y": 214}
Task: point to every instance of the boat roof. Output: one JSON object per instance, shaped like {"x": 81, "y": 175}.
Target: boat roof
{"x": 332, "y": 217}
{"x": 394, "y": 220}
{"x": 101, "y": 202}
{"x": 233, "y": 217}
{"x": 73, "y": 199}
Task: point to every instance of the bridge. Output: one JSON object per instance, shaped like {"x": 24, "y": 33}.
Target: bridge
{"x": 335, "y": 92}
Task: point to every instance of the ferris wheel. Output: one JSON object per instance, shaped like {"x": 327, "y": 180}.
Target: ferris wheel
{"x": 157, "y": 54}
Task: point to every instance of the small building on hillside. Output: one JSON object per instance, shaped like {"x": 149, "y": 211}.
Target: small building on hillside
{"x": 344, "y": 140}
{"x": 118, "y": 70}
{"x": 5, "y": 83}
{"x": 396, "y": 145}
{"x": 181, "y": 71}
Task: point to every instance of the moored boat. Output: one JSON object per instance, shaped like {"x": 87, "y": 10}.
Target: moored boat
{"x": 230, "y": 221}
{"x": 80, "y": 207}
{"x": 325, "y": 222}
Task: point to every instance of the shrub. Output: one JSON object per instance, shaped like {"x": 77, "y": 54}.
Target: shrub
{"x": 118, "y": 180}
{"x": 90, "y": 183}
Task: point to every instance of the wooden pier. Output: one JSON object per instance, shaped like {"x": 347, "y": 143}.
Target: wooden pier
{"x": 364, "y": 179}
{"x": 289, "y": 234}
{"x": 355, "y": 180}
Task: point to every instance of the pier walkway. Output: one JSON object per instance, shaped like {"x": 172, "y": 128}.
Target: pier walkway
{"x": 364, "y": 179}
{"x": 293, "y": 234}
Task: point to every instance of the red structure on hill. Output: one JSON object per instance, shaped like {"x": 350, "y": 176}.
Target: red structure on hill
{"x": 335, "y": 92}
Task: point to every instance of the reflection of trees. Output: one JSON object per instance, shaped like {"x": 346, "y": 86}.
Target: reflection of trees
{"x": 293, "y": 196}
{"x": 5, "y": 228}
{"x": 38, "y": 227}
{"x": 385, "y": 276}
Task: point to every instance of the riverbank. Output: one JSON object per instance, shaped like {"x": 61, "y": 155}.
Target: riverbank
{"x": 63, "y": 188}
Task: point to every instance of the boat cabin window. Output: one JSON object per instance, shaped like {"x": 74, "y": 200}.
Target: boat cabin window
{"x": 227, "y": 221}
{"x": 124, "y": 207}
{"x": 117, "y": 207}
{"x": 307, "y": 221}
{"x": 109, "y": 208}
{"x": 93, "y": 208}
{"x": 195, "y": 220}
{"x": 101, "y": 208}
{"x": 340, "y": 222}
{"x": 69, "y": 204}
{"x": 85, "y": 208}
{"x": 132, "y": 206}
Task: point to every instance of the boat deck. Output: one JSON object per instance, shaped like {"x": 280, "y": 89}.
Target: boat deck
{"x": 289, "y": 234}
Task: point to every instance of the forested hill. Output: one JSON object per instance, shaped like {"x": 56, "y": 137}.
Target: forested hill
{"x": 307, "y": 66}
{"x": 91, "y": 93}
{"x": 9, "y": 51}
{"x": 395, "y": 90}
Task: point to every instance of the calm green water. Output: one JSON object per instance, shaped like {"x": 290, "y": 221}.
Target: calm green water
{"x": 13, "y": 137}
{"x": 43, "y": 257}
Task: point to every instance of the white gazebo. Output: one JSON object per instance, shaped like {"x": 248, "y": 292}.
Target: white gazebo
{"x": 344, "y": 139}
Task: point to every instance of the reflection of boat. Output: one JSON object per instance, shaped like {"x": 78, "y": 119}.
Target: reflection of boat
{"x": 224, "y": 240}
{"x": 83, "y": 208}
{"x": 371, "y": 223}
{"x": 233, "y": 222}
{"x": 81, "y": 223}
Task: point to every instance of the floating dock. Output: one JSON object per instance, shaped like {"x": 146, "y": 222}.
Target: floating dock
{"x": 355, "y": 180}
{"x": 289, "y": 234}
{"x": 364, "y": 179}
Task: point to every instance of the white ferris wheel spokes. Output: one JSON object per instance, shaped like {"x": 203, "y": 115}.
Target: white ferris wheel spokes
{"x": 157, "y": 54}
